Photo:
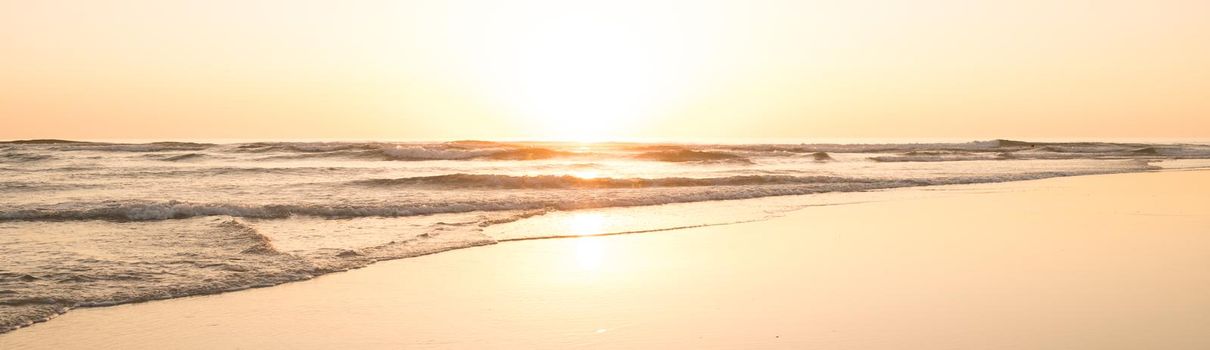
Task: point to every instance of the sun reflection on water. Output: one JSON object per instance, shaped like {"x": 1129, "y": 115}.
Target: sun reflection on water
{"x": 586, "y": 174}
{"x": 589, "y": 253}
{"x": 585, "y": 224}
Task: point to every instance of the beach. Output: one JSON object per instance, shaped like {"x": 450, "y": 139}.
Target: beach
{"x": 1087, "y": 262}
{"x": 667, "y": 174}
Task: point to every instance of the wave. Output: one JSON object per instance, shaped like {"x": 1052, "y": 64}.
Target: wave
{"x": 432, "y": 153}
{"x": 652, "y": 147}
{"x": 1018, "y": 150}
{"x": 25, "y": 186}
{"x": 43, "y": 142}
{"x": 974, "y": 146}
{"x": 445, "y": 153}
{"x": 233, "y": 256}
{"x": 67, "y": 145}
{"x": 206, "y": 257}
{"x": 459, "y": 150}
{"x": 102, "y": 173}
{"x": 528, "y": 153}
{"x": 739, "y": 187}
{"x": 19, "y": 157}
{"x": 186, "y": 156}
{"x": 573, "y": 182}
{"x": 260, "y": 244}
{"x": 137, "y": 210}
{"x": 478, "y": 144}
{"x": 142, "y": 147}
{"x": 939, "y": 157}
{"x": 341, "y": 154}
{"x": 304, "y": 147}
{"x": 686, "y": 155}
{"x": 1145, "y": 151}
{"x": 992, "y": 146}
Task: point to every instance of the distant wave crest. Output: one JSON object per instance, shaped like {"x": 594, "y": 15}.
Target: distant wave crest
{"x": 686, "y": 155}
{"x": 407, "y": 152}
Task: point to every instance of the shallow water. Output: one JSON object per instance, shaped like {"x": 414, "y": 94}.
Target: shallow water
{"x": 101, "y": 223}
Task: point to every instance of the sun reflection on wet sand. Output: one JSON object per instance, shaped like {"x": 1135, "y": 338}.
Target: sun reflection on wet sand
{"x": 590, "y": 254}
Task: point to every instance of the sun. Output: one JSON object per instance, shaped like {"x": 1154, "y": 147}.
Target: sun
{"x": 577, "y": 79}
{"x": 584, "y": 88}
{"x": 584, "y": 84}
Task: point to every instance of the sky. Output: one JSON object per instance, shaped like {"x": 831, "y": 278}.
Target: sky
{"x": 607, "y": 70}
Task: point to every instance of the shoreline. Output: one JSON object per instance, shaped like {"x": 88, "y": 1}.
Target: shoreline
{"x": 878, "y": 193}
{"x": 90, "y": 316}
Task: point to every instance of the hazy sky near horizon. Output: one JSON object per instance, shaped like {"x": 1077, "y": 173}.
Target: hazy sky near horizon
{"x": 604, "y": 70}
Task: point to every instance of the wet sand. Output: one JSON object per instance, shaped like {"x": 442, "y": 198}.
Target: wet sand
{"x": 1092, "y": 262}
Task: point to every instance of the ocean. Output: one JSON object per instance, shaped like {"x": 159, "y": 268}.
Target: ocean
{"x": 95, "y": 223}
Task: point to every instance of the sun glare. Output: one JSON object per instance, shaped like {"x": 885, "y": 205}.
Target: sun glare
{"x": 585, "y": 224}
{"x": 580, "y": 76}
{"x": 589, "y": 253}
{"x": 582, "y": 83}
{"x": 586, "y": 174}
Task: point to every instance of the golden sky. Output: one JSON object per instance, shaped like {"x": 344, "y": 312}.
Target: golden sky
{"x": 585, "y": 70}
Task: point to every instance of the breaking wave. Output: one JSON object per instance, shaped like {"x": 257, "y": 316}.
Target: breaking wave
{"x": 423, "y": 153}
{"x": 207, "y": 257}
{"x": 23, "y": 157}
{"x": 992, "y": 147}
{"x": 186, "y": 156}
{"x": 573, "y": 182}
{"x": 456, "y": 153}
{"x": 941, "y": 157}
{"x": 43, "y": 142}
{"x": 686, "y": 155}
{"x": 235, "y": 257}
{"x": 738, "y": 187}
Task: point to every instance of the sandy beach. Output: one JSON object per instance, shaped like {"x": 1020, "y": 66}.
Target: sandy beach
{"x": 1092, "y": 262}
